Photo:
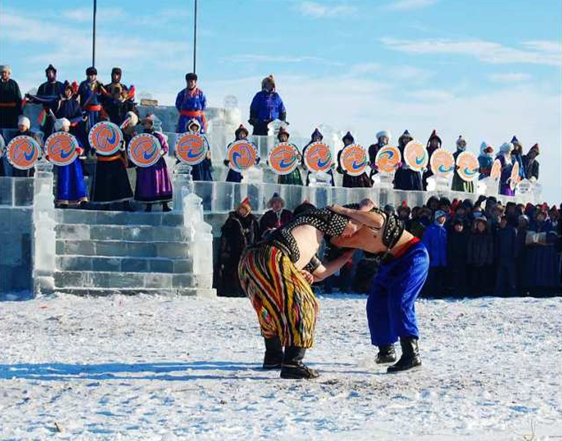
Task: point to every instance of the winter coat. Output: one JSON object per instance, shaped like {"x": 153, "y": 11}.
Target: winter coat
{"x": 542, "y": 262}
{"x": 485, "y": 163}
{"x": 270, "y": 221}
{"x": 266, "y": 107}
{"x": 480, "y": 249}
{"x": 506, "y": 245}
{"x": 531, "y": 167}
{"x": 435, "y": 240}
{"x": 457, "y": 248}
{"x": 417, "y": 226}
{"x": 507, "y": 166}
{"x": 237, "y": 234}
{"x": 459, "y": 184}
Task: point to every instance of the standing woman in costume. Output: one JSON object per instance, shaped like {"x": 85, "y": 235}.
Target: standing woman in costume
{"x": 71, "y": 188}
{"x": 191, "y": 103}
{"x": 383, "y": 138}
{"x": 24, "y": 125}
{"x": 485, "y": 160}
{"x": 111, "y": 181}
{"x": 203, "y": 170}
{"x": 240, "y": 134}
{"x": 349, "y": 181}
{"x": 517, "y": 156}
{"x": 507, "y": 165}
{"x": 405, "y": 178}
{"x": 459, "y": 184}
{"x": 433, "y": 143}
{"x": 316, "y": 137}
{"x": 153, "y": 183}
{"x": 293, "y": 178}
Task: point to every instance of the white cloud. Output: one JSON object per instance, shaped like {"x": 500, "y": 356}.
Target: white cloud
{"x": 409, "y": 5}
{"x": 322, "y": 10}
{"x": 485, "y": 51}
{"x": 258, "y": 58}
{"x": 85, "y": 14}
{"x": 365, "y": 68}
{"x": 545, "y": 46}
{"x": 509, "y": 77}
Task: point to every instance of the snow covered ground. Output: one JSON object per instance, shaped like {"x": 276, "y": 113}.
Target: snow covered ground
{"x": 155, "y": 368}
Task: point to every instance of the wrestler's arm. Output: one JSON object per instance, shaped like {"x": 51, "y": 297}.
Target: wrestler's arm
{"x": 368, "y": 218}
{"x": 326, "y": 269}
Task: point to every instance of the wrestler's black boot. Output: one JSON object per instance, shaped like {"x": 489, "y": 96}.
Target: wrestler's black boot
{"x": 273, "y": 353}
{"x": 293, "y": 367}
{"x": 410, "y": 356}
{"x": 386, "y": 354}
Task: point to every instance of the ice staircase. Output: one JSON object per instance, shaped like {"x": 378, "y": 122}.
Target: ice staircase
{"x": 104, "y": 252}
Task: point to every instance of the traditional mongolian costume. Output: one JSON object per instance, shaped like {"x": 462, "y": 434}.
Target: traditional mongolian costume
{"x": 191, "y": 103}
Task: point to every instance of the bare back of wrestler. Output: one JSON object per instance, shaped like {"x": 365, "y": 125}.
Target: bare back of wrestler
{"x": 400, "y": 277}
{"x": 276, "y": 274}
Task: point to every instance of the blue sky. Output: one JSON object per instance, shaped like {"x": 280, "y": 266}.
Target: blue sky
{"x": 483, "y": 69}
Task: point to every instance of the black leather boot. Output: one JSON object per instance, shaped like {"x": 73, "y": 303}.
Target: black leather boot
{"x": 293, "y": 367}
{"x": 386, "y": 354}
{"x": 410, "y": 356}
{"x": 273, "y": 358}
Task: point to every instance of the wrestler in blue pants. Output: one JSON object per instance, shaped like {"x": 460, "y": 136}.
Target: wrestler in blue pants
{"x": 391, "y": 305}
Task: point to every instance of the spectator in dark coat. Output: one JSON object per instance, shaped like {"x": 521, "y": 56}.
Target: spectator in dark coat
{"x": 530, "y": 164}
{"x": 435, "y": 240}
{"x": 542, "y": 262}
{"x": 481, "y": 258}
{"x": 419, "y": 223}
{"x": 457, "y": 255}
{"x": 276, "y": 217}
{"x": 521, "y": 253}
{"x": 238, "y": 232}
{"x": 506, "y": 252}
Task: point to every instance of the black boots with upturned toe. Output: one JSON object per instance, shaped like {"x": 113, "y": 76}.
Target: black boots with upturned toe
{"x": 273, "y": 358}
{"x": 293, "y": 367}
{"x": 386, "y": 354}
{"x": 410, "y": 356}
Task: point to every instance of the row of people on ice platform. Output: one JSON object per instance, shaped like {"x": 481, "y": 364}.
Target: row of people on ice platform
{"x": 475, "y": 249}
{"x": 91, "y": 101}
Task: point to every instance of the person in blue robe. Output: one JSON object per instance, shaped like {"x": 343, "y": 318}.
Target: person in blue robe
{"x": 266, "y": 106}
{"x": 71, "y": 188}
{"x": 191, "y": 103}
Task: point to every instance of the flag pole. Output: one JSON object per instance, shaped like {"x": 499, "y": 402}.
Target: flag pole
{"x": 195, "y": 38}
{"x": 94, "y": 34}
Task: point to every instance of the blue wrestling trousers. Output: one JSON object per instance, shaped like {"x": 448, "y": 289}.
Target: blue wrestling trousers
{"x": 391, "y": 305}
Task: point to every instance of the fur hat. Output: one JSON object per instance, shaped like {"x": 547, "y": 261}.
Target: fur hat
{"x": 192, "y": 122}
{"x": 6, "y": 67}
{"x": 61, "y": 123}
{"x": 241, "y": 129}
{"x": 282, "y": 131}
{"x": 275, "y": 198}
{"x": 316, "y": 133}
{"x": 245, "y": 204}
{"x": 50, "y": 67}
{"x": 349, "y": 136}
{"x": 384, "y": 133}
{"x": 116, "y": 70}
{"x": 405, "y": 135}
{"x": 190, "y": 76}
{"x": 24, "y": 121}
{"x": 91, "y": 71}
{"x": 535, "y": 148}
{"x": 267, "y": 80}
{"x": 506, "y": 147}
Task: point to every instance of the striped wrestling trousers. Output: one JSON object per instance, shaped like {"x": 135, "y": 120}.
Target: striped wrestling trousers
{"x": 283, "y": 299}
